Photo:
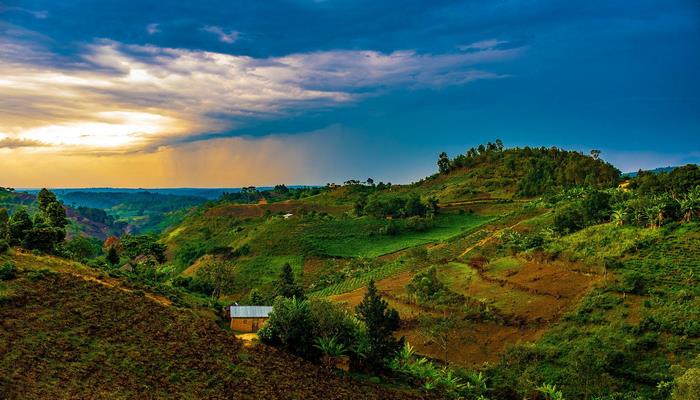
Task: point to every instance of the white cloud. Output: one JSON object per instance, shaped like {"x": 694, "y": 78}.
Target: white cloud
{"x": 224, "y": 37}
{"x": 482, "y": 45}
{"x": 126, "y": 98}
{"x": 152, "y": 29}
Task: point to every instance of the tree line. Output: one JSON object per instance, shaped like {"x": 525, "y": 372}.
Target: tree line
{"x": 43, "y": 231}
{"x": 537, "y": 170}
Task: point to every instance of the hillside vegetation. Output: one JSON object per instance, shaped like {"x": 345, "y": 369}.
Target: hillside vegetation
{"x": 533, "y": 273}
{"x": 68, "y": 333}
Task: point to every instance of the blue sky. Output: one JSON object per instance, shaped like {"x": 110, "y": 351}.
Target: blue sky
{"x": 143, "y": 93}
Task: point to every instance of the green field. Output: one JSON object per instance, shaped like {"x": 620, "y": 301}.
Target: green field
{"x": 262, "y": 271}
{"x": 355, "y": 238}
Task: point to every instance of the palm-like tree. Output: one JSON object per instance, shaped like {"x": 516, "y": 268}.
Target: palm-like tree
{"x": 332, "y": 350}
{"x": 690, "y": 205}
{"x": 618, "y": 216}
{"x": 550, "y": 392}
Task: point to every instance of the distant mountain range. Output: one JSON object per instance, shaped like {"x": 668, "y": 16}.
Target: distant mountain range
{"x": 654, "y": 171}
{"x": 206, "y": 193}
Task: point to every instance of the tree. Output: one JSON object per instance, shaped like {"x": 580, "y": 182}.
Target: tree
{"x": 4, "y": 220}
{"x": 443, "y": 163}
{"x": 142, "y": 245}
{"x": 596, "y": 207}
{"x": 690, "y": 205}
{"x": 81, "y": 248}
{"x": 286, "y": 285}
{"x": 56, "y": 215}
{"x": 381, "y": 322}
{"x": 618, "y": 216}
{"x": 291, "y": 326}
{"x": 595, "y": 154}
{"x": 370, "y": 181}
{"x": 499, "y": 144}
{"x": 19, "y": 226}
{"x": 45, "y": 198}
{"x": 568, "y": 220}
{"x": 112, "y": 256}
{"x": 219, "y": 276}
{"x": 255, "y": 298}
{"x": 438, "y": 331}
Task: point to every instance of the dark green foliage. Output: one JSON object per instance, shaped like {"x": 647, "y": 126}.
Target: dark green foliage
{"x": 4, "y": 223}
{"x": 4, "y": 246}
{"x": 96, "y": 215}
{"x": 443, "y": 163}
{"x": 392, "y": 228}
{"x": 286, "y": 286}
{"x": 189, "y": 253}
{"x": 679, "y": 180}
{"x": 46, "y": 231}
{"x": 381, "y": 322}
{"x": 43, "y": 237}
{"x": 428, "y": 289}
{"x": 333, "y": 321}
{"x": 19, "y": 227}
{"x": 296, "y": 325}
{"x": 44, "y": 199}
{"x": 193, "y": 284}
{"x": 569, "y": 219}
{"x": 393, "y": 206}
{"x": 596, "y": 207}
{"x": 40, "y": 274}
{"x": 142, "y": 245}
{"x": 252, "y": 194}
{"x": 255, "y": 298}
{"x": 291, "y": 327}
{"x": 81, "y": 248}
{"x": 7, "y": 271}
{"x": 112, "y": 256}
{"x": 55, "y": 215}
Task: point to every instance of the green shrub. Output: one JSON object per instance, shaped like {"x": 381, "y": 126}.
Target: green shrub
{"x": 291, "y": 327}
{"x": 4, "y": 246}
{"x": 40, "y": 274}
{"x": 8, "y": 271}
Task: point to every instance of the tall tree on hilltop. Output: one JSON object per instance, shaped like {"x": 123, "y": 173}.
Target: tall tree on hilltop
{"x": 381, "y": 322}
{"x": 443, "y": 163}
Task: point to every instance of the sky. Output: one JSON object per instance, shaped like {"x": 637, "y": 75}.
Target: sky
{"x": 167, "y": 93}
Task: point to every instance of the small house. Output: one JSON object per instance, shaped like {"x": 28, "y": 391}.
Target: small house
{"x": 248, "y": 318}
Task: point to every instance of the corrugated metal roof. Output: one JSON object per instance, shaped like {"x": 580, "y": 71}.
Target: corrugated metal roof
{"x": 250, "y": 311}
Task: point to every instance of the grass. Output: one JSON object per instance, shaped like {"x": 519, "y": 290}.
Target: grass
{"x": 504, "y": 264}
{"x": 357, "y": 238}
{"x": 385, "y": 271}
{"x": 264, "y": 270}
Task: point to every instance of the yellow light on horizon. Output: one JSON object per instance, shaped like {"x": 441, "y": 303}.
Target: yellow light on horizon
{"x": 113, "y": 129}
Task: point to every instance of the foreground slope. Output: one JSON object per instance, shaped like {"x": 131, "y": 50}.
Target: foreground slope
{"x": 67, "y": 333}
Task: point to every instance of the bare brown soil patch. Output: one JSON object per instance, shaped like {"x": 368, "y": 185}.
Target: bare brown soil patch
{"x": 475, "y": 344}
